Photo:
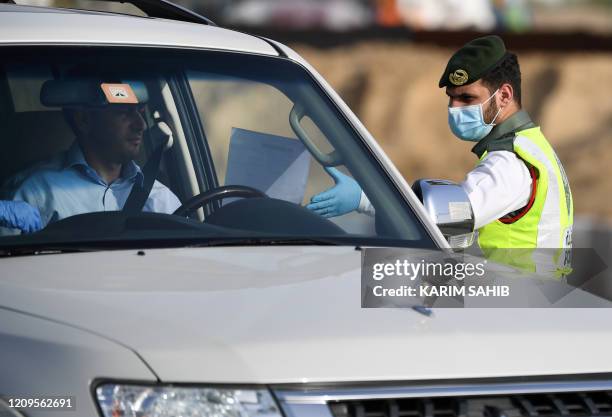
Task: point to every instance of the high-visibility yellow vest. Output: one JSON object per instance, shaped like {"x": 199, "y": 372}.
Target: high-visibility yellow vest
{"x": 546, "y": 222}
{"x": 518, "y": 239}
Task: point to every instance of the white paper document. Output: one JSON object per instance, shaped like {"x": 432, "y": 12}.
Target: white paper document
{"x": 276, "y": 165}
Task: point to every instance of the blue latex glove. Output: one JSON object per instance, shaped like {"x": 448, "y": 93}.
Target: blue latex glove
{"x": 20, "y": 215}
{"x": 343, "y": 198}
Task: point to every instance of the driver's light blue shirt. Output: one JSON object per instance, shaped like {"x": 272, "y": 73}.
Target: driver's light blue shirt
{"x": 66, "y": 186}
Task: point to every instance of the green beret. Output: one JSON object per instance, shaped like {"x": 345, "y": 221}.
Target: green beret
{"x": 472, "y": 61}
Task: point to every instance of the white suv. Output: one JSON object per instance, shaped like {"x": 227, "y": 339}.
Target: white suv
{"x": 212, "y": 291}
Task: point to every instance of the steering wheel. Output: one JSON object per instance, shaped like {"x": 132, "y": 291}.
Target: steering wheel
{"x": 207, "y": 197}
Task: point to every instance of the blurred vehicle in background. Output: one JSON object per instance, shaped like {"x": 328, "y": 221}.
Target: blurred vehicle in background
{"x": 300, "y": 14}
{"x": 515, "y": 16}
{"x": 447, "y": 14}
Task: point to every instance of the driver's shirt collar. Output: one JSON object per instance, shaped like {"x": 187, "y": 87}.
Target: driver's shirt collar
{"x": 74, "y": 158}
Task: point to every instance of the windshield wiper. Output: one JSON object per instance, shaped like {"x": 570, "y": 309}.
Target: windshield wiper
{"x": 339, "y": 240}
{"x": 43, "y": 245}
{"x": 44, "y": 250}
{"x": 50, "y": 248}
{"x": 271, "y": 241}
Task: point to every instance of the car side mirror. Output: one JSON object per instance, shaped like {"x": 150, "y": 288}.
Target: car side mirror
{"x": 448, "y": 206}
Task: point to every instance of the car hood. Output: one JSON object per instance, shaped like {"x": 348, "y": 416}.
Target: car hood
{"x": 290, "y": 314}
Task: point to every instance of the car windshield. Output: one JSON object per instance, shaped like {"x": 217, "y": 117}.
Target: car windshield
{"x": 238, "y": 145}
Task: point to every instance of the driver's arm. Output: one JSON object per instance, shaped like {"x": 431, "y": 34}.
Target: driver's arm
{"x": 19, "y": 215}
{"x": 30, "y": 193}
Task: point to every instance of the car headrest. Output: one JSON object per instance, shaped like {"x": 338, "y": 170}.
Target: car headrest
{"x": 92, "y": 93}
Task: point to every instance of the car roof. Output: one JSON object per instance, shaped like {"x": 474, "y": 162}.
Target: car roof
{"x": 27, "y": 25}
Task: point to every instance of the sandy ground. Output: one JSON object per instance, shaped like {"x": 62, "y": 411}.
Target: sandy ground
{"x": 394, "y": 90}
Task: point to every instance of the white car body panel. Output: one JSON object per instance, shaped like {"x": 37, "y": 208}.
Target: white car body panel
{"x": 291, "y": 315}
{"x": 98, "y": 29}
{"x": 33, "y": 356}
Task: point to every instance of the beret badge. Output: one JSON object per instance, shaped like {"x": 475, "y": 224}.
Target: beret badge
{"x": 459, "y": 77}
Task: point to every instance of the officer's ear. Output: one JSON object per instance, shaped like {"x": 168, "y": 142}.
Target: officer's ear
{"x": 505, "y": 95}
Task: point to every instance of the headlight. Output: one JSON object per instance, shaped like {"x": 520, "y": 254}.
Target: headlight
{"x": 169, "y": 401}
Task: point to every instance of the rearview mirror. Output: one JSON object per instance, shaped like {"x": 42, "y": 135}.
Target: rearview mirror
{"x": 449, "y": 207}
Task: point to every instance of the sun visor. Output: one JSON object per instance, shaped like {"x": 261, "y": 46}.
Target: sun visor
{"x": 88, "y": 93}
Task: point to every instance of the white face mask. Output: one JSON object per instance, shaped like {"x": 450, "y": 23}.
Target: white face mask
{"x": 467, "y": 122}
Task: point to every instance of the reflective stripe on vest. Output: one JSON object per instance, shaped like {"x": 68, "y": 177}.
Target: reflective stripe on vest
{"x": 548, "y": 223}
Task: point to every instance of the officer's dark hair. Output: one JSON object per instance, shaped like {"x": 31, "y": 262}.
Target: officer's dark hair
{"x": 507, "y": 71}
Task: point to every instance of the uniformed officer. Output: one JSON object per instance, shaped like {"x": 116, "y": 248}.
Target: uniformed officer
{"x": 519, "y": 192}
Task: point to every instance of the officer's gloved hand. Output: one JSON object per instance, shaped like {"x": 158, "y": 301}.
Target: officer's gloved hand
{"x": 343, "y": 198}
{"x": 20, "y": 215}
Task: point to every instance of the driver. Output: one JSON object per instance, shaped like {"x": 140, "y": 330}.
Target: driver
{"x": 98, "y": 171}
